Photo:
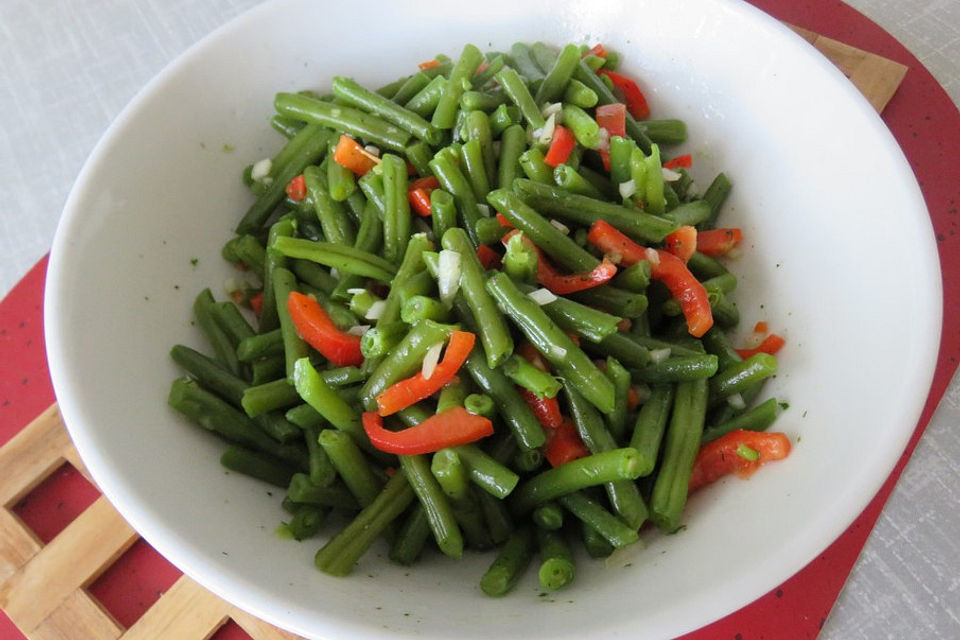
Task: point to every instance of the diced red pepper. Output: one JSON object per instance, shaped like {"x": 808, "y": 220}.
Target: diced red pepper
{"x": 482, "y": 67}
{"x": 685, "y": 161}
{"x": 429, "y": 64}
{"x": 561, "y": 147}
{"x": 771, "y": 344}
{"x": 633, "y": 398}
{"x": 597, "y": 50}
{"x": 419, "y": 202}
{"x": 562, "y": 284}
{"x": 256, "y": 303}
{"x": 528, "y": 352}
{"x": 315, "y": 326}
{"x": 613, "y": 118}
{"x": 411, "y": 390}
{"x": 682, "y": 242}
{"x": 297, "y": 188}
{"x": 350, "y": 154}
{"x": 721, "y": 457}
{"x": 636, "y": 101}
{"x": 665, "y": 267}
{"x": 718, "y": 242}
{"x": 564, "y": 444}
{"x": 502, "y": 219}
{"x": 546, "y": 409}
{"x": 449, "y": 428}
{"x": 489, "y": 258}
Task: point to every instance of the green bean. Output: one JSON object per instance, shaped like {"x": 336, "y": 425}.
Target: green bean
{"x": 650, "y": 425}
{"x": 318, "y": 394}
{"x": 621, "y": 151}
{"x": 482, "y": 100}
{"x": 494, "y": 334}
{"x": 548, "y": 516}
{"x": 294, "y": 347}
{"x": 211, "y": 374}
{"x": 344, "y": 259}
{"x": 565, "y": 356}
{"x": 715, "y": 195}
{"x": 356, "y": 96}
{"x": 223, "y": 347}
{"x": 268, "y": 369}
{"x": 544, "y": 56}
{"x": 257, "y": 465}
{"x": 635, "y": 278}
{"x": 480, "y": 404}
{"x": 250, "y": 252}
{"x": 595, "y": 63}
{"x": 485, "y": 472}
{"x": 679, "y": 451}
{"x": 342, "y": 552}
{"x": 572, "y": 316}
{"x": 547, "y": 237}
{"x": 614, "y": 300}
{"x": 405, "y": 359}
{"x": 305, "y": 417}
{"x": 389, "y": 90}
{"x": 596, "y": 545}
{"x": 716, "y": 342}
{"x": 623, "y": 494}
{"x": 371, "y": 184}
{"x": 396, "y": 214}
{"x": 425, "y": 102}
{"x": 412, "y": 536}
{"x": 516, "y": 89}
{"x": 528, "y": 461}
{"x": 305, "y": 522}
{"x": 413, "y": 85}
{"x": 310, "y": 144}
{"x": 476, "y": 126}
{"x": 584, "y": 74}
{"x": 471, "y": 159}
{"x": 277, "y": 394}
{"x": 677, "y": 369}
{"x": 509, "y": 564}
{"x": 589, "y": 471}
{"x": 444, "y": 117}
{"x": 756, "y": 419}
{"x": 520, "y": 260}
{"x": 567, "y": 178}
{"x": 406, "y": 282}
{"x": 423, "y": 308}
{"x": 736, "y": 378}
{"x": 620, "y": 377}
{"x": 494, "y": 64}
{"x": 579, "y": 94}
{"x": 342, "y": 118}
{"x": 341, "y": 182}
{"x": 530, "y": 378}
{"x": 489, "y": 230}
{"x": 322, "y": 472}
{"x": 439, "y": 513}
{"x": 336, "y": 226}
{"x": 583, "y": 210}
{"x": 534, "y": 167}
{"x": 313, "y": 274}
{"x": 602, "y": 521}
{"x": 522, "y": 59}
{"x": 303, "y": 491}
{"x": 513, "y": 141}
{"x": 704, "y": 267}
{"x": 286, "y": 126}
{"x": 350, "y": 464}
{"x": 584, "y": 128}
{"x": 557, "y": 566}
{"x": 624, "y": 348}
{"x": 690, "y": 213}
{"x": 455, "y": 484}
{"x": 559, "y": 75}
{"x": 453, "y": 181}
{"x": 504, "y": 116}
{"x": 497, "y": 516}
{"x": 725, "y": 312}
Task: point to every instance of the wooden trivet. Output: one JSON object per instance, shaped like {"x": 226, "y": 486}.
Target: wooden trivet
{"x": 43, "y": 587}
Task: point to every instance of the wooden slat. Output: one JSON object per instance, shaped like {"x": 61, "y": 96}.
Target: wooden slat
{"x": 186, "y": 612}
{"x": 876, "y": 77}
{"x": 17, "y": 545}
{"x": 72, "y": 560}
{"x": 31, "y": 455}
{"x": 78, "y": 612}
{"x": 260, "y": 630}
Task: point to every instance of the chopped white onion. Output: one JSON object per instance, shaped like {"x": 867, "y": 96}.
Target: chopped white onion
{"x": 542, "y": 296}
{"x": 614, "y": 256}
{"x": 448, "y": 275}
{"x": 372, "y": 150}
{"x": 736, "y": 401}
{"x": 334, "y": 272}
{"x": 376, "y": 310}
{"x": 603, "y": 140}
{"x": 355, "y": 290}
{"x": 669, "y": 175}
{"x": 627, "y": 188}
{"x": 652, "y": 256}
{"x": 430, "y": 360}
{"x": 261, "y": 169}
{"x": 551, "y": 109}
{"x": 231, "y": 285}
{"x": 546, "y": 135}
{"x": 484, "y": 210}
{"x": 562, "y": 228}
{"x": 358, "y": 329}
{"x": 659, "y": 355}
{"x": 558, "y": 352}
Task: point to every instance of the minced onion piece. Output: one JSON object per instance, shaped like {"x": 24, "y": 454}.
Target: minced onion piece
{"x": 355, "y": 290}
{"x": 614, "y": 256}
{"x": 376, "y": 310}
{"x": 603, "y": 140}
{"x": 627, "y": 188}
{"x": 659, "y": 355}
{"x": 484, "y": 210}
{"x": 230, "y": 285}
{"x": 448, "y": 275}
{"x": 372, "y": 150}
{"x": 559, "y": 226}
{"x": 736, "y": 401}
{"x": 551, "y": 109}
{"x": 546, "y": 134}
{"x": 334, "y": 272}
{"x": 669, "y": 175}
{"x": 430, "y": 360}
{"x": 358, "y": 329}
{"x": 558, "y": 352}
{"x": 261, "y": 169}
{"x": 652, "y": 256}
{"x": 542, "y": 296}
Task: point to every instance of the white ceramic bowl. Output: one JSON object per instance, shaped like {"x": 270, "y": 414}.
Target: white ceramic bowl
{"x": 839, "y": 257}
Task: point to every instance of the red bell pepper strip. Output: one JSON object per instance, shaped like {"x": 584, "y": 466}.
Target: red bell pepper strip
{"x": 761, "y": 327}
{"x": 429, "y": 64}
{"x": 256, "y": 302}
{"x": 546, "y": 409}
{"x": 419, "y": 194}
{"x": 411, "y": 390}
{"x": 502, "y": 219}
{"x": 449, "y": 428}
{"x": 682, "y": 242}
{"x": 564, "y": 444}
{"x": 489, "y": 258}
{"x": 528, "y": 352}
{"x": 297, "y": 188}
{"x": 428, "y": 183}
{"x": 685, "y": 161}
{"x": 771, "y": 344}
{"x": 598, "y": 50}
{"x": 665, "y": 267}
{"x": 718, "y": 242}
{"x": 315, "y": 326}
{"x": 348, "y": 153}
{"x": 636, "y": 101}
{"x": 562, "y": 284}
{"x": 561, "y": 147}
{"x": 721, "y": 456}
{"x": 613, "y": 118}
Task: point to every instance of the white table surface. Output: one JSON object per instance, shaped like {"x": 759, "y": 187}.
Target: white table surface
{"x": 69, "y": 66}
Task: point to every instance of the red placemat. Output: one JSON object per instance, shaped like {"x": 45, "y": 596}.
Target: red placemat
{"x": 927, "y": 126}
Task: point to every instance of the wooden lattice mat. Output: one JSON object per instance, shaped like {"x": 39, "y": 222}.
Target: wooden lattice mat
{"x": 43, "y": 587}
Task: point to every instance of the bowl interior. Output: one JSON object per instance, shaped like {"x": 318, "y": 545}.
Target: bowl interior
{"x": 833, "y": 248}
